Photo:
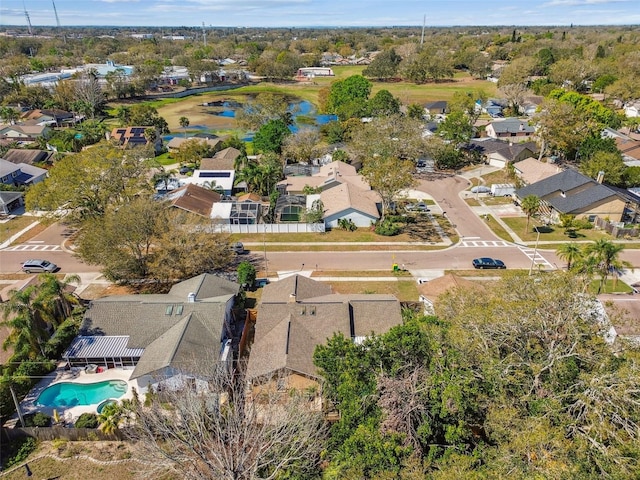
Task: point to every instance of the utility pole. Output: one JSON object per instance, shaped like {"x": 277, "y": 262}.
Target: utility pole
{"x": 55, "y": 11}
{"x": 204, "y": 35}
{"x": 424, "y": 22}
{"x": 26, "y": 14}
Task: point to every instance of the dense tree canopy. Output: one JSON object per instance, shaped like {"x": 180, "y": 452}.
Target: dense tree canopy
{"x": 512, "y": 380}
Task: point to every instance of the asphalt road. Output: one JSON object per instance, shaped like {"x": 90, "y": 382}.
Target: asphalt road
{"x": 49, "y": 245}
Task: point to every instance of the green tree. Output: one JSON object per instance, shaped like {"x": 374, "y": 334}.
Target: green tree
{"x": 569, "y": 252}
{"x": 456, "y": 128}
{"x": 264, "y": 107}
{"x": 607, "y": 257}
{"x": 384, "y": 104}
{"x": 56, "y": 296}
{"x": 416, "y": 111}
{"x": 384, "y": 65}
{"x": 110, "y": 418}
{"x": 192, "y": 151}
{"x": 246, "y": 274}
{"x": 610, "y": 164}
{"x": 146, "y": 116}
{"x": 530, "y": 206}
{"x": 348, "y": 98}
{"x": 87, "y": 184}
{"x": 270, "y": 137}
{"x": 184, "y": 123}
{"x": 27, "y": 318}
{"x": 388, "y": 176}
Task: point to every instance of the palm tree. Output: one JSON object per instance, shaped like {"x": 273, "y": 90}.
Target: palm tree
{"x": 570, "y": 252}
{"x": 110, "y": 418}
{"x": 55, "y": 297}
{"x": 164, "y": 176}
{"x": 530, "y": 205}
{"x": 607, "y": 255}
{"x": 184, "y": 123}
{"x": 26, "y": 315}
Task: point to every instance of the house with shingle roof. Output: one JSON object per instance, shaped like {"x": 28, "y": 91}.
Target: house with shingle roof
{"x": 28, "y": 156}
{"x": 20, "y": 174}
{"x": 531, "y": 170}
{"x": 218, "y": 171}
{"x": 194, "y": 199}
{"x": 570, "y": 192}
{"x": 160, "y": 336}
{"x": 510, "y": 128}
{"x": 346, "y": 201}
{"x": 24, "y": 133}
{"x": 176, "y": 142}
{"x": 499, "y": 153}
{"x": 295, "y": 315}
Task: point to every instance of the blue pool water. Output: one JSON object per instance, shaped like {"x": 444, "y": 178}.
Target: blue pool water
{"x": 67, "y": 394}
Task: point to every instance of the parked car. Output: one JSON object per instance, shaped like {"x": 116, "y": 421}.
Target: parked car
{"x": 480, "y": 189}
{"x": 39, "y": 266}
{"x": 238, "y": 248}
{"x": 419, "y": 207}
{"x": 185, "y": 170}
{"x": 486, "y": 262}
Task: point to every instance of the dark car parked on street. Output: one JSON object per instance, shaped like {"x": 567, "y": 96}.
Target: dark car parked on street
{"x": 486, "y": 262}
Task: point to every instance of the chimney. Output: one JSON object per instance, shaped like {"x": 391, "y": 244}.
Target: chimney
{"x": 292, "y": 298}
{"x": 600, "y": 176}
{"x": 191, "y": 298}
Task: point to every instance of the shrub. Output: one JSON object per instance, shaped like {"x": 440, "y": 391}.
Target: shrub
{"x": 387, "y": 228}
{"x": 37, "y": 419}
{"x": 87, "y": 420}
{"x": 347, "y": 224}
{"x": 23, "y": 449}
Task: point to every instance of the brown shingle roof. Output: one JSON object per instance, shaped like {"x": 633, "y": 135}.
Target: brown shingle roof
{"x": 20, "y": 155}
{"x": 288, "y": 331}
{"x": 223, "y": 160}
{"x": 345, "y": 196}
{"x": 195, "y": 199}
{"x": 623, "y": 312}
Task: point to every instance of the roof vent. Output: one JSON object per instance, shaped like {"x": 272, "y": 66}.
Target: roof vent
{"x": 191, "y": 298}
{"x": 292, "y": 298}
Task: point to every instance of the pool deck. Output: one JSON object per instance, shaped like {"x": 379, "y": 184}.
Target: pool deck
{"x": 79, "y": 376}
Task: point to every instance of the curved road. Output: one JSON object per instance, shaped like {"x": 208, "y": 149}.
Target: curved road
{"x": 445, "y": 192}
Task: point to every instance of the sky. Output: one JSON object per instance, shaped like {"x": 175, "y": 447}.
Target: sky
{"x": 323, "y": 13}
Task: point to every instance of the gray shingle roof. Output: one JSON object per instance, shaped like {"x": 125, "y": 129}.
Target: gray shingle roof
{"x": 557, "y": 191}
{"x": 170, "y": 330}
{"x": 301, "y": 287}
{"x": 512, "y": 125}
{"x": 550, "y": 190}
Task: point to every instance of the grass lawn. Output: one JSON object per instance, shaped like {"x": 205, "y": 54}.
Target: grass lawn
{"x": 498, "y": 229}
{"x": 549, "y": 233}
{"x": 499, "y": 176}
{"x": 611, "y": 286}
{"x": 403, "y": 290}
{"x": 191, "y": 107}
{"x": 363, "y": 273}
{"x": 472, "y": 202}
{"x": 13, "y": 226}
{"x": 496, "y": 200}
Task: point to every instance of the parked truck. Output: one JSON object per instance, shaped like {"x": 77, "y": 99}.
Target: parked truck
{"x": 502, "y": 189}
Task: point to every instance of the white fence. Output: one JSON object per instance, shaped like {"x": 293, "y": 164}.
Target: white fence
{"x": 272, "y": 228}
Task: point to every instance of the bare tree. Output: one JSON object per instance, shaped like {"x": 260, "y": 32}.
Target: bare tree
{"x": 212, "y": 429}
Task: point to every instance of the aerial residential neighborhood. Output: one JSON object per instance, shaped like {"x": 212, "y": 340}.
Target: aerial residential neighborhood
{"x": 318, "y": 253}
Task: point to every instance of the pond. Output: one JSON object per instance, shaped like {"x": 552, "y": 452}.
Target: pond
{"x": 303, "y": 112}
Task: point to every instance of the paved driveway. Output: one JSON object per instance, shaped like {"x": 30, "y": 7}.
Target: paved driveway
{"x": 446, "y": 193}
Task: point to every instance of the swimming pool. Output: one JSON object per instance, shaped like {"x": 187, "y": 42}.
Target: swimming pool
{"x": 68, "y": 394}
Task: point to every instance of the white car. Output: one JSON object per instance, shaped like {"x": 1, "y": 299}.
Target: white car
{"x": 480, "y": 189}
